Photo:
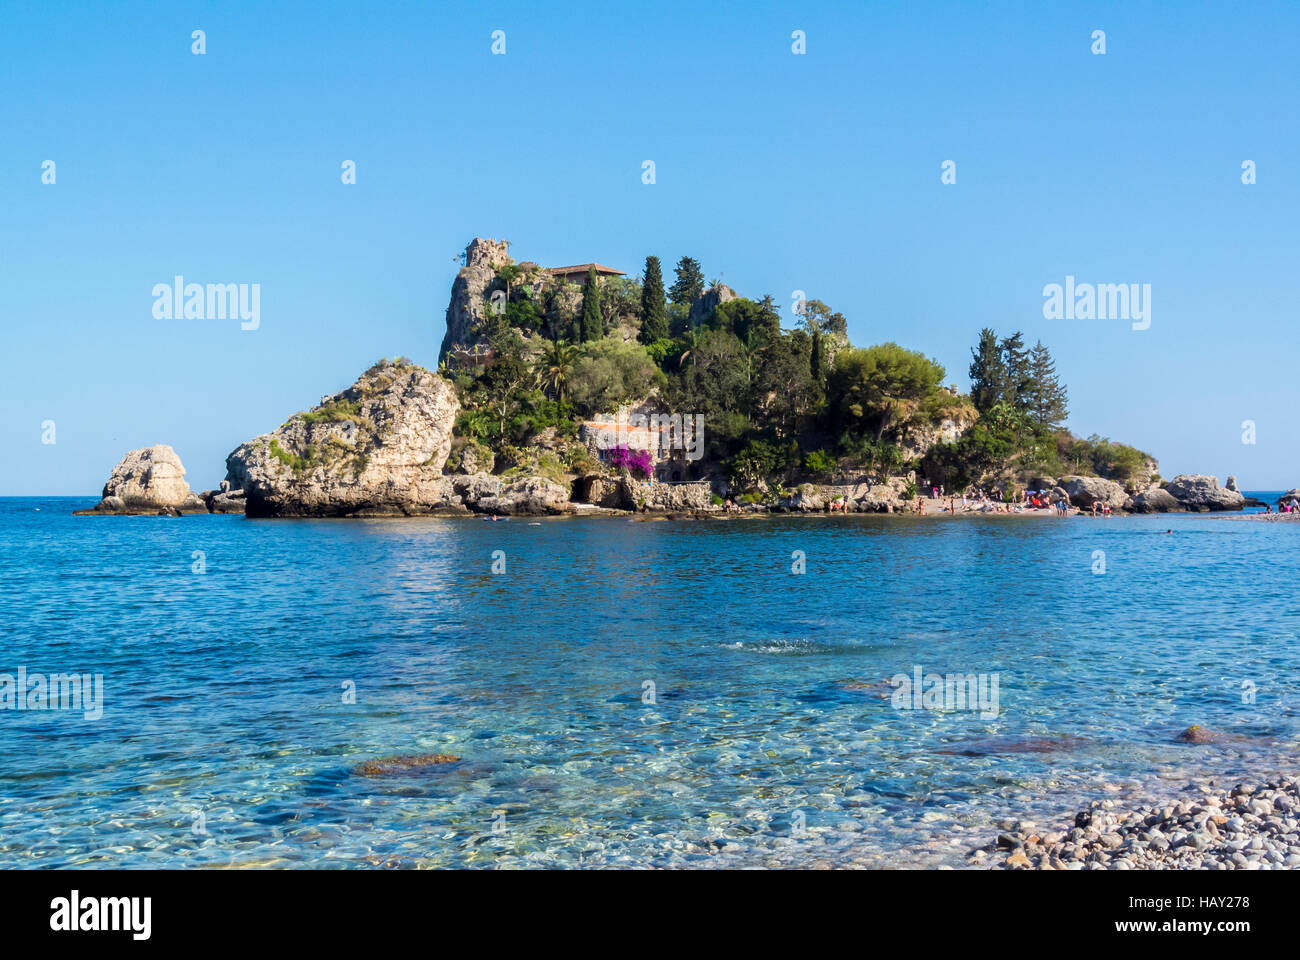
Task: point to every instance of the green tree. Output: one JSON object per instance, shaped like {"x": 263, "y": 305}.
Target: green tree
{"x": 1015, "y": 357}
{"x": 988, "y": 372}
{"x": 555, "y": 368}
{"x": 1045, "y": 397}
{"x": 654, "y": 308}
{"x": 689, "y": 284}
{"x": 881, "y": 386}
{"x": 610, "y": 373}
{"x": 593, "y": 327}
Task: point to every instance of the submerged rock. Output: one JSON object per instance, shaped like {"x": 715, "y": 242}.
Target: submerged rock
{"x": 403, "y": 763}
{"x": 375, "y": 449}
{"x": 150, "y": 481}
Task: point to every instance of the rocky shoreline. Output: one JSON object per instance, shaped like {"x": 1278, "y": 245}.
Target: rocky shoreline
{"x": 381, "y": 448}
{"x": 1249, "y": 826}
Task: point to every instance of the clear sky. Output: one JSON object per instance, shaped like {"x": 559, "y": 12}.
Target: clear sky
{"x": 779, "y": 172}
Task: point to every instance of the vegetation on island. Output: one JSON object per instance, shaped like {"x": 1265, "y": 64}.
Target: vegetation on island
{"x": 781, "y": 406}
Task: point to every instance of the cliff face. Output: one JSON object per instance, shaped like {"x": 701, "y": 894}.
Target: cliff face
{"x": 376, "y": 449}
{"x": 482, "y": 258}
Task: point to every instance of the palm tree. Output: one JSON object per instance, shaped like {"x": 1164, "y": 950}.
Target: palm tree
{"x": 555, "y": 367}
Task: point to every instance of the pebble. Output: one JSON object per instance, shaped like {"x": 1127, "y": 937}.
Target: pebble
{"x": 1247, "y": 827}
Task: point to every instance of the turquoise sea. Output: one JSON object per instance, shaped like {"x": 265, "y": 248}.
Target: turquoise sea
{"x": 228, "y": 648}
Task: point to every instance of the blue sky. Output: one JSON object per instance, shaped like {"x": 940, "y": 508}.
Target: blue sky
{"x": 779, "y": 172}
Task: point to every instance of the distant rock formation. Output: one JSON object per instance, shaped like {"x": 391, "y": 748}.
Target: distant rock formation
{"x": 150, "y": 480}
{"x": 1085, "y": 491}
{"x": 702, "y": 309}
{"x": 482, "y": 259}
{"x": 1155, "y": 499}
{"x": 376, "y": 449}
{"x": 1199, "y": 492}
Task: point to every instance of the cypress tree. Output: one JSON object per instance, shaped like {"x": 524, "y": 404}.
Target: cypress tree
{"x": 592, "y": 327}
{"x": 654, "y": 308}
{"x": 1016, "y": 360}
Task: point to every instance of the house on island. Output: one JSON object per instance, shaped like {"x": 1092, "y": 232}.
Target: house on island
{"x": 578, "y": 272}
{"x": 670, "y": 439}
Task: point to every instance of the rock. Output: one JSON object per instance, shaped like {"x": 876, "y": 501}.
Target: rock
{"x": 469, "y": 457}
{"x": 223, "y": 501}
{"x": 1200, "y": 492}
{"x": 1155, "y": 499}
{"x": 472, "y": 283}
{"x": 1291, "y": 496}
{"x": 524, "y": 496}
{"x": 695, "y": 495}
{"x": 1018, "y": 859}
{"x": 149, "y": 481}
{"x": 1085, "y": 491}
{"x": 704, "y": 306}
{"x": 402, "y": 764}
{"x": 376, "y": 449}
{"x": 1231, "y": 485}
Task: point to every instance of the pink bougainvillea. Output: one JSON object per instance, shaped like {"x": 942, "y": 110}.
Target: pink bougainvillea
{"x": 637, "y": 461}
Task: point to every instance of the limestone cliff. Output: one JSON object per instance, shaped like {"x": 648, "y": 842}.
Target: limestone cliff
{"x": 475, "y": 280}
{"x": 375, "y": 449}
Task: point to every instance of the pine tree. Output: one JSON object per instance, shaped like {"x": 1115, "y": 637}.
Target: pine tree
{"x": 1047, "y": 401}
{"x": 654, "y": 310}
{"x": 592, "y": 326}
{"x": 689, "y": 284}
{"x": 1015, "y": 357}
{"x": 988, "y": 372}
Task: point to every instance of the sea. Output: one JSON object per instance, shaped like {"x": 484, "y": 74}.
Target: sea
{"x": 612, "y": 692}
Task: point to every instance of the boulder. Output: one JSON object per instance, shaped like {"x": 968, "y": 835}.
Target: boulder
{"x": 375, "y": 449}
{"x": 1291, "y": 496}
{"x": 1232, "y": 485}
{"x": 147, "y": 481}
{"x": 1155, "y": 499}
{"x": 1198, "y": 492}
{"x": 224, "y": 501}
{"x": 525, "y": 496}
{"x": 1085, "y": 491}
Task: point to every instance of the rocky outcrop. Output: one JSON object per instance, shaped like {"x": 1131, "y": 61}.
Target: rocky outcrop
{"x": 919, "y": 440}
{"x": 472, "y": 284}
{"x": 1155, "y": 499}
{"x": 511, "y": 497}
{"x": 1199, "y": 492}
{"x": 1291, "y": 496}
{"x": 376, "y": 449}
{"x": 704, "y": 306}
{"x": 223, "y": 501}
{"x": 675, "y": 497}
{"x": 1232, "y": 485}
{"x": 1085, "y": 491}
{"x": 150, "y": 480}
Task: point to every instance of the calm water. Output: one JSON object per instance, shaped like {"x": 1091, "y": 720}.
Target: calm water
{"x": 225, "y": 739}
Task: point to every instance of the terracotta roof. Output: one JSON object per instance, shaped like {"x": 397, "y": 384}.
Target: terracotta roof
{"x": 583, "y": 268}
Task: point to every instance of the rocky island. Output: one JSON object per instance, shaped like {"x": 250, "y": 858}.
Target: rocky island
{"x": 556, "y": 397}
